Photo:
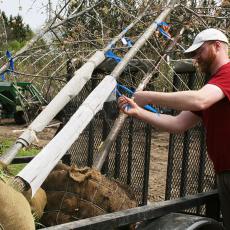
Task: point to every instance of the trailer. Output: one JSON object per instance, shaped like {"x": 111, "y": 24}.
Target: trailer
{"x": 191, "y": 199}
{"x": 20, "y": 100}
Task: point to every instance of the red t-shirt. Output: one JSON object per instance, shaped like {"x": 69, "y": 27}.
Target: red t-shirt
{"x": 216, "y": 120}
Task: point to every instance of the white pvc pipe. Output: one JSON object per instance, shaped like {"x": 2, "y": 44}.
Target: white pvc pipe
{"x": 70, "y": 90}
{"x": 38, "y": 169}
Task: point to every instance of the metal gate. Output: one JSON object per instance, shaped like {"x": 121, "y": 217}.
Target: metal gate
{"x": 189, "y": 169}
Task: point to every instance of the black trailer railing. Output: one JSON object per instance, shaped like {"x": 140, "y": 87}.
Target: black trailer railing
{"x": 208, "y": 200}
{"x": 143, "y": 213}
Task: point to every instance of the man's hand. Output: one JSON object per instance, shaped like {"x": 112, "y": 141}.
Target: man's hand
{"x": 128, "y": 106}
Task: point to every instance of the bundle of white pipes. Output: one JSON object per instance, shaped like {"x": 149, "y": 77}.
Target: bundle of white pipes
{"x": 71, "y": 89}
{"x": 38, "y": 169}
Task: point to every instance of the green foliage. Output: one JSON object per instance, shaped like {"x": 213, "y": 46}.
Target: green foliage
{"x": 5, "y": 144}
{"x": 14, "y": 45}
{"x": 15, "y": 168}
{"x": 14, "y": 33}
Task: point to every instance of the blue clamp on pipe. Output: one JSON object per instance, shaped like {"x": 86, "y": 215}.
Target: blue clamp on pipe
{"x": 130, "y": 92}
{"x": 110, "y": 54}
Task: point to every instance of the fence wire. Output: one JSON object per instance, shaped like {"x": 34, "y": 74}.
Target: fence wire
{"x": 189, "y": 169}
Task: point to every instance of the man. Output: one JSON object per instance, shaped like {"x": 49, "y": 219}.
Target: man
{"x": 211, "y": 104}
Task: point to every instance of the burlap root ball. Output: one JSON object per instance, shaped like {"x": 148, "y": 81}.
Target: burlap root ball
{"x": 74, "y": 194}
{"x": 15, "y": 211}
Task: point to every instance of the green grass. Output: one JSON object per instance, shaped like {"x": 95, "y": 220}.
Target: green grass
{"x": 15, "y": 168}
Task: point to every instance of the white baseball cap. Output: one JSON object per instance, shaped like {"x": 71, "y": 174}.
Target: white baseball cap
{"x": 206, "y": 35}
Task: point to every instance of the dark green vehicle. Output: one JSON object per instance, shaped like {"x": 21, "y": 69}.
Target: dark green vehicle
{"x": 20, "y": 100}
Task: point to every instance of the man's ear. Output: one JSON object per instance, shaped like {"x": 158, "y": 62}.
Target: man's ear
{"x": 218, "y": 44}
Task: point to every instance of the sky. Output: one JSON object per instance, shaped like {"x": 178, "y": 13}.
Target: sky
{"x": 33, "y": 12}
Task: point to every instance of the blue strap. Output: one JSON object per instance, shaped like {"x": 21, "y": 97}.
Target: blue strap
{"x": 131, "y": 92}
{"x": 129, "y": 42}
{"x": 162, "y": 31}
{"x": 110, "y": 54}
{"x": 3, "y": 77}
{"x": 165, "y": 34}
{"x": 11, "y": 61}
{"x": 151, "y": 109}
{"x": 117, "y": 92}
{"x": 11, "y": 65}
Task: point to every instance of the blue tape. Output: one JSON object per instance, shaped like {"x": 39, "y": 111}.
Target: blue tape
{"x": 129, "y": 42}
{"x": 129, "y": 91}
{"x": 162, "y": 31}
{"x": 165, "y": 34}
{"x": 11, "y": 61}
{"x": 8, "y": 54}
{"x": 118, "y": 93}
{"x": 3, "y": 77}
{"x": 151, "y": 109}
{"x": 11, "y": 65}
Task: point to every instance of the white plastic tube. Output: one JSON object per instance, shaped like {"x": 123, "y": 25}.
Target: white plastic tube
{"x": 38, "y": 169}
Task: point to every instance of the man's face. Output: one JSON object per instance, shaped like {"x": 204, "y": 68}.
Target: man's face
{"x": 204, "y": 57}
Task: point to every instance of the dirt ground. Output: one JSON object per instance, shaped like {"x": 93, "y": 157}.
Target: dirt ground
{"x": 158, "y": 166}
{"x": 158, "y": 159}
{"x": 10, "y": 130}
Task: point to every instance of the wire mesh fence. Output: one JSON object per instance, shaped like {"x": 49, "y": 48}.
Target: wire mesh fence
{"x": 128, "y": 159}
{"x": 189, "y": 169}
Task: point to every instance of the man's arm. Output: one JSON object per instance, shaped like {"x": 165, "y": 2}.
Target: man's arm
{"x": 193, "y": 100}
{"x": 172, "y": 124}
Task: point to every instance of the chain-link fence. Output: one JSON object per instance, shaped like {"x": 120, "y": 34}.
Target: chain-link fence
{"x": 189, "y": 169}
{"x": 128, "y": 160}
